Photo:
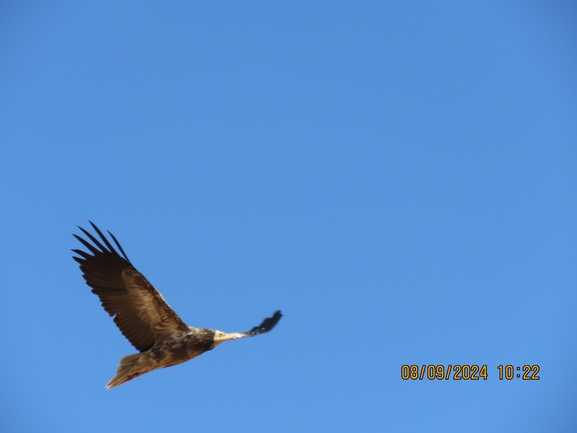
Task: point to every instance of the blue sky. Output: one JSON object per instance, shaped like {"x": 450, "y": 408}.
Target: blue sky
{"x": 399, "y": 178}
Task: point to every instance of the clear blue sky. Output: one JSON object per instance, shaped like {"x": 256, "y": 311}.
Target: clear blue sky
{"x": 399, "y": 178}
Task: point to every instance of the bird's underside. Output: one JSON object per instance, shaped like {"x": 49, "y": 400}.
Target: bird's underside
{"x": 142, "y": 314}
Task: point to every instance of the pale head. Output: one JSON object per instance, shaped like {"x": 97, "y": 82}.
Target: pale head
{"x": 221, "y": 337}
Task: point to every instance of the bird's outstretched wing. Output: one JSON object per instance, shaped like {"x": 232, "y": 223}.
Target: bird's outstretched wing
{"x": 266, "y": 325}
{"x": 139, "y": 310}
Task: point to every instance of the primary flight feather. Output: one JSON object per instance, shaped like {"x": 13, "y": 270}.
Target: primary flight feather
{"x": 142, "y": 314}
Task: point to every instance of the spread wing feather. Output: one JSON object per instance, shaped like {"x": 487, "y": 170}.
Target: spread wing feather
{"x": 266, "y": 325}
{"x": 139, "y": 310}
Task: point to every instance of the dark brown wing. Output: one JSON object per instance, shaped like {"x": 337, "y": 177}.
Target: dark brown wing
{"x": 266, "y": 325}
{"x": 139, "y": 310}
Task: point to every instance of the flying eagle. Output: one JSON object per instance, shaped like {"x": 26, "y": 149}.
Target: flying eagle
{"x": 142, "y": 314}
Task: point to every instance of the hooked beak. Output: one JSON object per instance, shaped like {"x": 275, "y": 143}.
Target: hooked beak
{"x": 235, "y": 335}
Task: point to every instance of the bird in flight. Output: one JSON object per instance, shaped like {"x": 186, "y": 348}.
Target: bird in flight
{"x": 142, "y": 314}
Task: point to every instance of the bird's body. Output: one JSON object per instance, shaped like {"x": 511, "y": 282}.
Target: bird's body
{"x": 174, "y": 349}
{"x": 142, "y": 314}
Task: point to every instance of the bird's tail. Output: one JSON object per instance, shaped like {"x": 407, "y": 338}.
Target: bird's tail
{"x": 123, "y": 372}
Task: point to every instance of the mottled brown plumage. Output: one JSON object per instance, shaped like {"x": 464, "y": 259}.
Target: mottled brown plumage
{"x": 142, "y": 314}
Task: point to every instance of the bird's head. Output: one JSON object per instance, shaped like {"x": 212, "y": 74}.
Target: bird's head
{"x": 221, "y": 337}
